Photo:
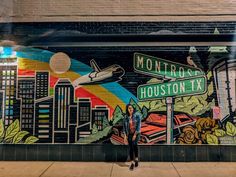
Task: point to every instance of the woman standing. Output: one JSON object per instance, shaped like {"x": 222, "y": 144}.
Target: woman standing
{"x": 131, "y": 130}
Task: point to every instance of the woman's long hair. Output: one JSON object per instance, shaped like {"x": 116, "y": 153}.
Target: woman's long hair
{"x": 127, "y": 111}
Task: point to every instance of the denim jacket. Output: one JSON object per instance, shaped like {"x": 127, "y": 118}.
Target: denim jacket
{"x": 136, "y": 118}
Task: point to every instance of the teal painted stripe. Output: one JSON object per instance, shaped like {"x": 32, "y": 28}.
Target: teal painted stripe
{"x": 78, "y": 67}
{"x": 120, "y": 92}
{"x": 43, "y": 110}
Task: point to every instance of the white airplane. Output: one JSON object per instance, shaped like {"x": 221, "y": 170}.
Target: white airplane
{"x": 112, "y": 73}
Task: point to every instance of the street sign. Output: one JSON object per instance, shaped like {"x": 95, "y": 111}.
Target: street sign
{"x": 189, "y": 86}
{"x": 159, "y": 67}
{"x": 188, "y": 81}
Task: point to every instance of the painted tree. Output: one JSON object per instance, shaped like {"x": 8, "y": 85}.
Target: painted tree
{"x": 135, "y": 105}
{"x": 94, "y": 129}
{"x": 144, "y": 112}
{"x": 105, "y": 122}
{"x": 117, "y": 115}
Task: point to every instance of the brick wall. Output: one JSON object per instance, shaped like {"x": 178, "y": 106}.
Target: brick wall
{"x": 116, "y": 10}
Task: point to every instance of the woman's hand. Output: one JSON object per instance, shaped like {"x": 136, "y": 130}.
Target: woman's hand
{"x": 134, "y": 137}
{"x": 125, "y": 140}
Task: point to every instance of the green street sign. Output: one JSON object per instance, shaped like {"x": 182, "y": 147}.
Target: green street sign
{"x": 189, "y": 86}
{"x": 154, "y": 66}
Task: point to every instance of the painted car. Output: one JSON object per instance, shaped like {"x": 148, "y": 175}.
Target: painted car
{"x": 153, "y": 128}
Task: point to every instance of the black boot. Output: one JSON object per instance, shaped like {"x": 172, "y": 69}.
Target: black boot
{"x": 131, "y": 167}
{"x": 136, "y": 163}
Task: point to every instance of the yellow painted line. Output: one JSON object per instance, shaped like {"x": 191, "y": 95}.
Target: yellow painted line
{"x": 42, "y": 66}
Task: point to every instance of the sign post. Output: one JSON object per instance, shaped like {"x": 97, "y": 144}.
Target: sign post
{"x": 169, "y": 120}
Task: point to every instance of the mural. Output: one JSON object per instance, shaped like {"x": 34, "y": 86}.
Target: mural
{"x": 49, "y": 97}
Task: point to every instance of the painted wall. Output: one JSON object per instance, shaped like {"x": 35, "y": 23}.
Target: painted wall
{"x": 78, "y": 95}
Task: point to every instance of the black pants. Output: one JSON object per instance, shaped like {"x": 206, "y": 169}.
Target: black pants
{"x": 133, "y": 147}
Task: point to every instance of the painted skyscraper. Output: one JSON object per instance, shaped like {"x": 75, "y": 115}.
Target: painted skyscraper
{"x": 84, "y": 124}
{"x": 44, "y": 119}
{"x": 63, "y": 98}
{"x": 1, "y": 104}
{"x": 73, "y": 119}
{"x": 8, "y": 83}
{"x": 99, "y": 113}
{"x": 27, "y": 95}
{"x": 42, "y": 84}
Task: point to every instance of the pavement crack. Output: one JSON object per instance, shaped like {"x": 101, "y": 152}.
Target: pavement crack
{"x": 46, "y": 169}
{"x": 111, "y": 169}
{"x": 176, "y": 169}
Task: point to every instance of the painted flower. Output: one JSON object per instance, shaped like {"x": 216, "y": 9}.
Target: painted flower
{"x": 189, "y": 136}
{"x": 206, "y": 126}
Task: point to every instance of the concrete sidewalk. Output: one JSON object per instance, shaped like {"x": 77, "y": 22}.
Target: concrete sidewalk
{"x": 103, "y": 169}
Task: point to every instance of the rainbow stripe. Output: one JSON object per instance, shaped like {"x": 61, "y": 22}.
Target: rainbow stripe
{"x": 111, "y": 93}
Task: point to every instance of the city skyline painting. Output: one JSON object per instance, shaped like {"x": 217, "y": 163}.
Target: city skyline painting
{"x": 49, "y": 97}
{"x": 53, "y": 116}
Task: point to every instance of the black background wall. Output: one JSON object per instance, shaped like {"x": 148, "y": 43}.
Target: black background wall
{"x": 31, "y": 34}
